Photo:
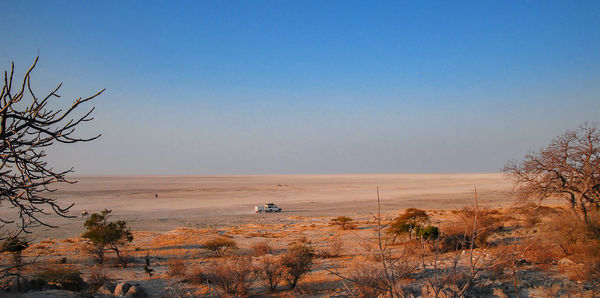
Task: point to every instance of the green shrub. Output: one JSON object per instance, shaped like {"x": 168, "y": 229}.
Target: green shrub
{"x": 218, "y": 246}
{"x": 428, "y": 232}
{"x": 106, "y": 235}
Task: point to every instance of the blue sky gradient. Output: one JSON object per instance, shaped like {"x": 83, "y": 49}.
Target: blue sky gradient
{"x": 267, "y": 87}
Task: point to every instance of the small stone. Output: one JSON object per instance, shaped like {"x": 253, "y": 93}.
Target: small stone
{"x": 499, "y": 293}
{"x": 121, "y": 289}
{"x": 106, "y": 289}
{"x": 565, "y": 261}
{"x": 136, "y": 291}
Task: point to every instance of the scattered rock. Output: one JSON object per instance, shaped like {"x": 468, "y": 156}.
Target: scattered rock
{"x": 136, "y": 291}
{"x": 106, "y": 289}
{"x": 565, "y": 261}
{"x": 121, "y": 289}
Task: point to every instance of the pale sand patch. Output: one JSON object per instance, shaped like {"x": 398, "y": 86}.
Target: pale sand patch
{"x": 209, "y": 201}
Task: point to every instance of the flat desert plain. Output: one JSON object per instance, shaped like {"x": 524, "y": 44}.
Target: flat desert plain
{"x": 216, "y": 201}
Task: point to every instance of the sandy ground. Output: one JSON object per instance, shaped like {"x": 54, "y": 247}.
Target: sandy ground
{"x": 212, "y": 201}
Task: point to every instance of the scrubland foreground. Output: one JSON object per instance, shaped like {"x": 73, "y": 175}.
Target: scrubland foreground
{"x": 525, "y": 251}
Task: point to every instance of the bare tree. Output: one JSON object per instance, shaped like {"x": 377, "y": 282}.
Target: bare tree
{"x": 29, "y": 124}
{"x": 569, "y": 168}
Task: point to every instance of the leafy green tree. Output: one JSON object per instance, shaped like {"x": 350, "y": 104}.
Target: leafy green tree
{"x": 106, "y": 235}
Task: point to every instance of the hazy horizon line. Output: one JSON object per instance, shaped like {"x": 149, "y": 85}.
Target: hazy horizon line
{"x": 280, "y": 174}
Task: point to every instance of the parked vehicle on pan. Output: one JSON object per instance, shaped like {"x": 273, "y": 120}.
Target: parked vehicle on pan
{"x": 269, "y": 207}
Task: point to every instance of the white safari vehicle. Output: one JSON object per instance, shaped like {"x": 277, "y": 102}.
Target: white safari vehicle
{"x": 270, "y": 207}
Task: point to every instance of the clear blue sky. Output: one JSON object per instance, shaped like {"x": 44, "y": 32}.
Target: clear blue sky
{"x": 258, "y": 87}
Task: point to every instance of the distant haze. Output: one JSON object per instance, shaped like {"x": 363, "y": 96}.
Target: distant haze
{"x": 278, "y": 87}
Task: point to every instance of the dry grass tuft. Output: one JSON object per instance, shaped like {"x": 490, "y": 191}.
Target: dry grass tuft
{"x": 218, "y": 246}
{"x": 98, "y": 277}
{"x": 262, "y": 248}
{"x": 176, "y": 267}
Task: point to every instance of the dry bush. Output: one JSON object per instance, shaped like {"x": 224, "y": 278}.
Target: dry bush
{"x": 452, "y": 241}
{"x": 62, "y": 277}
{"x": 303, "y": 239}
{"x": 488, "y": 222}
{"x": 297, "y": 261}
{"x": 458, "y": 235}
{"x": 218, "y": 246}
{"x": 404, "y": 269}
{"x": 262, "y": 248}
{"x": 574, "y": 236}
{"x": 123, "y": 260}
{"x": 542, "y": 251}
{"x": 334, "y": 248}
{"x": 591, "y": 271}
{"x": 233, "y": 276}
{"x": 368, "y": 279}
{"x": 499, "y": 270}
{"x": 269, "y": 270}
{"x": 344, "y": 222}
{"x": 531, "y": 213}
{"x": 177, "y": 267}
{"x": 196, "y": 276}
{"x": 98, "y": 277}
